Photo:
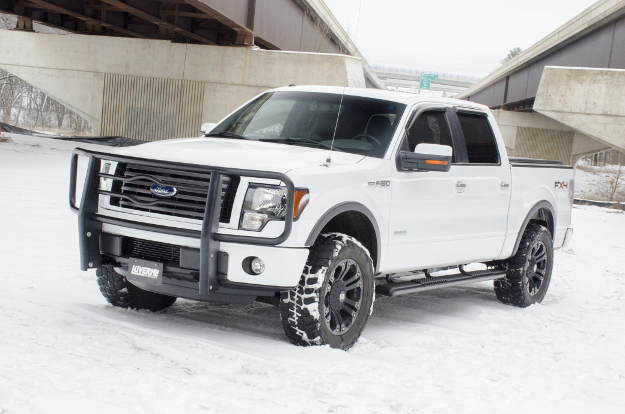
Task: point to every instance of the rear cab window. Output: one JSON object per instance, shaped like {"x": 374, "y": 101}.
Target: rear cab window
{"x": 479, "y": 139}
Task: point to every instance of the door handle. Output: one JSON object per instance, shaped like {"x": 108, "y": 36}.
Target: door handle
{"x": 504, "y": 187}
{"x": 460, "y": 186}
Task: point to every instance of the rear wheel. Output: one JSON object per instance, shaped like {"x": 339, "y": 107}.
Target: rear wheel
{"x": 335, "y": 295}
{"x": 529, "y": 271}
{"x": 121, "y": 293}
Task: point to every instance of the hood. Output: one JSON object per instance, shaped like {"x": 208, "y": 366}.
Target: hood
{"x": 233, "y": 153}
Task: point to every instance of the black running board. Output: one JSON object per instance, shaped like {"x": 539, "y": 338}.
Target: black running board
{"x": 431, "y": 283}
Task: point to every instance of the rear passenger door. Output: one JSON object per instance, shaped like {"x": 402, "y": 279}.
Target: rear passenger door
{"x": 486, "y": 183}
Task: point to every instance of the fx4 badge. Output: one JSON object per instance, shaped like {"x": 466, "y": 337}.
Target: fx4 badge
{"x": 383, "y": 183}
{"x": 561, "y": 186}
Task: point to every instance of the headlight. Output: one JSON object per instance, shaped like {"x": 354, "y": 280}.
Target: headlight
{"x": 265, "y": 203}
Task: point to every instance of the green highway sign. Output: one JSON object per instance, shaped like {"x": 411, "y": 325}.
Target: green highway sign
{"x": 433, "y": 78}
{"x": 425, "y": 84}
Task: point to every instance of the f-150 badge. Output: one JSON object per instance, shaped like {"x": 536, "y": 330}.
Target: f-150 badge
{"x": 383, "y": 183}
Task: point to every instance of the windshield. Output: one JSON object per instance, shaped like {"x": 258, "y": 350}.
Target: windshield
{"x": 365, "y": 126}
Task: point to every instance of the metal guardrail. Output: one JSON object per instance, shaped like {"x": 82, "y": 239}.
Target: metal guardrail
{"x": 606, "y": 204}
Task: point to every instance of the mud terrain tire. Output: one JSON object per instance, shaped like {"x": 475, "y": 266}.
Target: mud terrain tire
{"x": 334, "y": 297}
{"x": 121, "y": 293}
{"x": 529, "y": 271}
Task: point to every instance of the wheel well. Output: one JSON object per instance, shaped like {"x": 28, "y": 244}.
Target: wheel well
{"x": 543, "y": 217}
{"x": 357, "y": 225}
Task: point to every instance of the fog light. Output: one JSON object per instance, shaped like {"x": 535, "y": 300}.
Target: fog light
{"x": 257, "y": 266}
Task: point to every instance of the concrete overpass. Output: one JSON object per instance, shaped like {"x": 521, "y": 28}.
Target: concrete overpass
{"x": 156, "y": 89}
{"x": 158, "y": 69}
{"x": 409, "y": 79}
{"x": 412, "y": 78}
{"x": 563, "y": 98}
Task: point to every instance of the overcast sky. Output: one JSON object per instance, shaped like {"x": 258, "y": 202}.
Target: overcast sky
{"x": 466, "y": 37}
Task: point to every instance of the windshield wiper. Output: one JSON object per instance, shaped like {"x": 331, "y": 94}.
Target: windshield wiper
{"x": 299, "y": 140}
{"x": 225, "y": 134}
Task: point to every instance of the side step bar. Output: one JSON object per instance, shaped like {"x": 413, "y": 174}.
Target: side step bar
{"x": 431, "y": 283}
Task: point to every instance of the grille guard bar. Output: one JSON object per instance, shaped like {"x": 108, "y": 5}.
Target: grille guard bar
{"x": 90, "y": 223}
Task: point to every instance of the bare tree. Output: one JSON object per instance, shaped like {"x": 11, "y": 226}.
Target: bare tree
{"x": 606, "y": 174}
{"x": 514, "y": 52}
{"x": 614, "y": 186}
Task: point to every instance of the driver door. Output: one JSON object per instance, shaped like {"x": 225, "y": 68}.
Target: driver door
{"x": 426, "y": 226}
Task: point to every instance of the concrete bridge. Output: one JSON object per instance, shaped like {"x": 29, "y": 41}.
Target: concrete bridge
{"x": 564, "y": 97}
{"x": 156, "y": 89}
{"x": 158, "y": 69}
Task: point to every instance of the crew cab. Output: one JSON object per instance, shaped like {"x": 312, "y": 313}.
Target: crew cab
{"x": 319, "y": 198}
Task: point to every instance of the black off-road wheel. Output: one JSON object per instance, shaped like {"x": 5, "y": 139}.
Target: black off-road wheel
{"x": 529, "y": 271}
{"x": 121, "y": 293}
{"x": 334, "y": 297}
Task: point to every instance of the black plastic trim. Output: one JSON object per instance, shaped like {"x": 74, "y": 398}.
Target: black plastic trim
{"x": 411, "y": 161}
{"x": 556, "y": 166}
{"x": 533, "y": 210}
{"x": 342, "y": 208}
{"x": 520, "y": 160}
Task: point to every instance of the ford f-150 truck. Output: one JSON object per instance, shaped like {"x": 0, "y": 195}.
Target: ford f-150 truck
{"x": 319, "y": 199}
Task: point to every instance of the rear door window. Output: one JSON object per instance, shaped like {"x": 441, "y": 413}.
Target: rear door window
{"x": 479, "y": 139}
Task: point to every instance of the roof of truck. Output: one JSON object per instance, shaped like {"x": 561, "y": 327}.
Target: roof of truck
{"x": 394, "y": 96}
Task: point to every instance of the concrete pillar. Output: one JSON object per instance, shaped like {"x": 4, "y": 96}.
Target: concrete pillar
{"x": 533, "y": 135}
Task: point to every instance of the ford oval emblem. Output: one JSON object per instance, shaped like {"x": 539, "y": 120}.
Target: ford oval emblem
{"x": 163, "y": 190}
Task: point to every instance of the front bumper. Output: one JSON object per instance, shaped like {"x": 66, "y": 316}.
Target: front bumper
{"x": 211, "y": 244}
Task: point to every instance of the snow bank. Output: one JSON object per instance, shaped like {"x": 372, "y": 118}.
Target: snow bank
{"x": 456, "y": 350}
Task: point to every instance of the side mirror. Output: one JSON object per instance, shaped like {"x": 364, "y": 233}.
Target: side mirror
{"x": 427, "y": 157}
{"x": 206, "y": 128}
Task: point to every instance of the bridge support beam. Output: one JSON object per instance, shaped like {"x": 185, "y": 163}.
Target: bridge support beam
{"x": 588, "y": 101}
{"x": 533, "y": 135}
{"x": 155, "y": 89}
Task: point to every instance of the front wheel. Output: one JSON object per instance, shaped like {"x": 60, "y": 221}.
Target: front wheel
{"x": 334, "y": 297}
{"x": 529, "y": 271}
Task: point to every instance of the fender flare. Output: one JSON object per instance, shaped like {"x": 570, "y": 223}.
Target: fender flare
{"x": 342, "y": 208}
{"x": 533, "y": 210}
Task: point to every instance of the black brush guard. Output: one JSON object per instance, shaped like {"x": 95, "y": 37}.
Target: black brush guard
{"x": 90, "y": 222}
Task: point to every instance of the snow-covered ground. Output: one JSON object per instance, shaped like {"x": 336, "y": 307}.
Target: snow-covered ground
{"x": 455, "y": 350}
{"x": 598, "y": 183}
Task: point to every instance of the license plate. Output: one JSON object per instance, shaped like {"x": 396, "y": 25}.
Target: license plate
{"x": 145, "y": 271}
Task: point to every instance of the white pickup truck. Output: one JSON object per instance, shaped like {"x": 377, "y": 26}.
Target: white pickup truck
{"x": 319, "y": 198}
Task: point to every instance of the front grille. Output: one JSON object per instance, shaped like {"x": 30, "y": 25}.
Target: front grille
{"x": 151, "y": 250}
{"x": 189, "y": 202}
